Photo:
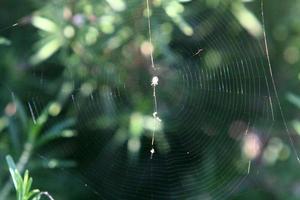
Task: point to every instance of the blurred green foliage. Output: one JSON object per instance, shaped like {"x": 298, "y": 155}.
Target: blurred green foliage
{"x": 23, "y": 184}
{"x": 66, "y": 66}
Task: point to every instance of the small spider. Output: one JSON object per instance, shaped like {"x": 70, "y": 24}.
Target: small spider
{"x": 154, "y": 81}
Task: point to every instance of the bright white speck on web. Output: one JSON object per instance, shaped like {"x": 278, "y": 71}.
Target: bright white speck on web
{"x": 154, "y": 81}
{"x": 156, "y": 117}
{"x": 152, "y": 151}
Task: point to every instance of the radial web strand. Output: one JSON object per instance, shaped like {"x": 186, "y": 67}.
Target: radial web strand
{"x": 154, "y": 82}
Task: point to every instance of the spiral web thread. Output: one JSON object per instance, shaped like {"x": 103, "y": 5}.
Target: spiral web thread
{"x": 155, "y": 80}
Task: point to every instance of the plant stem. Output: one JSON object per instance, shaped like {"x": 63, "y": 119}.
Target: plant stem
{"x": 23, "y": 160}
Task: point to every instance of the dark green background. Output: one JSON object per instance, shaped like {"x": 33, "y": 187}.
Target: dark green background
{"x": 96, "y": 86}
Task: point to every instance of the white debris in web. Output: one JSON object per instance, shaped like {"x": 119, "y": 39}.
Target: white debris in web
{"x": 156, "y": 117}
{"x": 152, "y": 151}
{"x": 154, "y": 81}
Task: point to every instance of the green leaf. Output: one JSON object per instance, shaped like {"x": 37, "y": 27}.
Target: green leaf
{"x": 57, "y": 131}
{"x": 19, "y": 180}
{"x": 136, "y": 125}
{"x": 40, "y": 122}
{"x": 44, "y": 24}
{"x": 294, "y": 99}
{"x": 4, "y": 41}
{"x": 247, "y": 19}
{"x": 29, "y": 186}
{"x": 25, "y": 182}
{"x": 21, "y": 112}
{"x": 22, "y": 185}
{"x": 33, "y": 193}
{"x": 117, "y": 5}
{"x": 12, "y": 168}
{"x": 296, "y": 125}
{"x": 46, "y": 51}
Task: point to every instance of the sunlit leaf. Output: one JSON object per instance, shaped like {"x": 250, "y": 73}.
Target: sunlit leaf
{"x": 294, "y": 99}
{"x": 247, "y": 19}
{"x": 12, "y": 168}
{"x": 117, "y": 5}
{"x": 22, "y": 184}
{"x": 184, "y": 1}
{"x": 46, "y": 51}
{"x": 4, "y": 41}
{"x": 296, "y": 125}
{"x": 174, "y": 10}
{"x": 136, "y": 124}
{"x": 44, "y": 24}
{"x": 58, "y": 131}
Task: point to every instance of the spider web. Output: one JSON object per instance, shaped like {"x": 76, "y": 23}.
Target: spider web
{"x": 216, "y": 92}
